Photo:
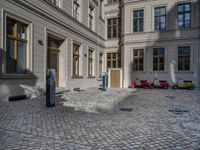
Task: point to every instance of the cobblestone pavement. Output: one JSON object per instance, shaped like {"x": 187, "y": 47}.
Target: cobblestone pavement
{"x": 152, "y": 125}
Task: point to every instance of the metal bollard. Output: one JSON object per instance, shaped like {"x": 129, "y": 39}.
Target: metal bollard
{"x": 50, "y": 87}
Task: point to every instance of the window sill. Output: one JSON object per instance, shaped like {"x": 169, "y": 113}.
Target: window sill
{"x": 91, "y": 77}
{"x": 17, "y": 76}
{"x": 184, "y": 71}
{"x": 77, "y": 77}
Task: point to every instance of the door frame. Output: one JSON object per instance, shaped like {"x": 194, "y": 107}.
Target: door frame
{"x": 57, "y": 51}
{"x": 109, "y": 76}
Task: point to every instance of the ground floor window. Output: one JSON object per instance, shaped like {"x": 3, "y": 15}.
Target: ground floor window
{"x": 158, "y": 59}
{"x": 113, "y": 60}
{"x": 138, "y": 59}
{"x": 76, "y": 59}
{"x": 16, "y": 46}
{"x": 90, "y": 62}
{"x": 184, "y": 58}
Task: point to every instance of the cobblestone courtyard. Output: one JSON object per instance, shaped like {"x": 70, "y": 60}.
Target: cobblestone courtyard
{"x": 160, "y": 119}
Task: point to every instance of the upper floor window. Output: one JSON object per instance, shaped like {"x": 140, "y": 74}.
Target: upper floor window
{"x": 55, "y": 2}
{"x": 101, "y": 9}
{"x": 184, "y": 58}
{"x": 90, "y": 62}
{"x": 113, "y": 28}
{"x": 113, "y": 60}
{"x": 112, "y": 1}
{"x": 16, "y": 46}
{"x": 160, "y": 18}
{"x": 76, "y": 59}
{"x": 138, "y": 60}
{"x": 138, "y": 21}
{"x": 76, "y": 9}
{"x": 91, "y": 17}
{"x": 184, "y": 15}
{"x": 158, "y": 59}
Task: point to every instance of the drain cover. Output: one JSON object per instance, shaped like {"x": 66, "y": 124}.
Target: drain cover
{"x": 171, "y": 97}
{"x": 126, "y": 109}
{"x": 178, "y": 111}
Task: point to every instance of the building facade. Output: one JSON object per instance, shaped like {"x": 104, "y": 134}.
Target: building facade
{"x": 158, "y": 38}
{"x": 67, "y": 35}
{"x": 82, "y": 38}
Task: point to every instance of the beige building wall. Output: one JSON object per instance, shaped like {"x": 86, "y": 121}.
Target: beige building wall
{"x": 43, "y": 18}
{"x": 170, "y": 39}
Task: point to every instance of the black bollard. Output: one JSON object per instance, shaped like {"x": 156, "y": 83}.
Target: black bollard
{"x": 50, "y": 87}
{"x": 105, "y": 82}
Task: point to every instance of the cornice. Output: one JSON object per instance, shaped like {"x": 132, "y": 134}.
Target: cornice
{"x": 46, "y": 15}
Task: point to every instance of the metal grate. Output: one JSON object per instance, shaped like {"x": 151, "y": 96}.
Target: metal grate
{"x": 178, "y": 111}
{"x": 126, "y": 109}
{"x": 171, "y": 97}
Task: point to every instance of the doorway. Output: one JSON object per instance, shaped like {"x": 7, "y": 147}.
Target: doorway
{"x": 53, "y": 54}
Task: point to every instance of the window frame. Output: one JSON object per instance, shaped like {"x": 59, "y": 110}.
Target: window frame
{"x": 159, "y": 56}
{"x": 138, "y": 57}
{"x": 90, "y": 62}
{"x": 113, "y": 26}
{"x": 158, "y": 16}
{"x": 183, "y": 13}
{"x": 91, "y": 17}
{"x": 55, "y": 4}
{"x": 190, "y": 57}
{"x": 16, "y": 39}
{"x": 76, "y": 13}
{"x": 138, "y": 20}
{"x": 76, "y": 54}
{"x": 113, "y": 1}
{"x": 117, "y": 59}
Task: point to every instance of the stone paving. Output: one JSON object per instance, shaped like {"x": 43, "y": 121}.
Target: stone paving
{"x": 28, "y": 124}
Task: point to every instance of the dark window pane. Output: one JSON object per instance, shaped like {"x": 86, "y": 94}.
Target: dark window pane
{"x": 114, "y": 65}
{"x": 180, "y": 8}
{"x": 21, "y": 57}
{"x": 10, "y": 60}
{"x": 10, "y": 27}
{"x": 187, "y": 7}
{"x": 21, "y": 31}
{"x": 141, "y": 14}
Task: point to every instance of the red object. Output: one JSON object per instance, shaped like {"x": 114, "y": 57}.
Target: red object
{"x": 140, "y": 83}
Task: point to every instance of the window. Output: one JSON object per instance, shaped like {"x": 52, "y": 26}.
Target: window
{"x": 138, "y": 60}
{"x": 76, "y": 9}
{"x": 113, "y": 28}
{"x": 16, "y": 46}
{"x": 100, "y": 63}
{"x": 90, "y": 62}
{"x": 55, "y": 2}
{"x": 76, "y": 59}
{"x": 184, "y": 15}
{"x": 112, "y": 1}
{"x": 184, "y": 58}
{"x": 91, "y": 20}
{"x": 113, "y": 60}
{"x": 158, "y": 59}
{"x": 160, "y": 18}
{"x": 101, "y": 9}
{"x": 138, "y": 21}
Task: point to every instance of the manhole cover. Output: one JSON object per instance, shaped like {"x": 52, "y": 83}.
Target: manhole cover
{"x": 178, "y": 111}
{"x": 171, "y": 97}
{"x": 126, "y": 109}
